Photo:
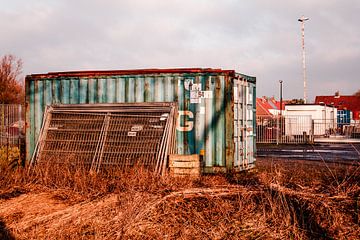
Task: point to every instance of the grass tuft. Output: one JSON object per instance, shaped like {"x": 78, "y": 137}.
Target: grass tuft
{"x": 278, "y": 200}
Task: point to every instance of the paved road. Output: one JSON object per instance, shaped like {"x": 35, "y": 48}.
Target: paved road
{"x": 346, "y": 153}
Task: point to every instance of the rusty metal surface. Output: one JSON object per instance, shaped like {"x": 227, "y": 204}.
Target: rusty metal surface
{"x": 108, "y": 135}
{"x": 132, "y": 72}
{"x": 205, "y": 124}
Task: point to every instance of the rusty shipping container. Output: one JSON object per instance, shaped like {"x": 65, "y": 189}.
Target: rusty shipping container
{"x": 216, "y": 107}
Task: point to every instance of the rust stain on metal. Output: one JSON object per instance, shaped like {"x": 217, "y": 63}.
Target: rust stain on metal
{"x": 229, "y": 132}
{"x": 95, "y": 73}
{"x": 205, "y": 96}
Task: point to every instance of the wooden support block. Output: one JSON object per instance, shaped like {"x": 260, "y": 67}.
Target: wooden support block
{"x": 185, "y": 171}
{"x": 185, "y": 165}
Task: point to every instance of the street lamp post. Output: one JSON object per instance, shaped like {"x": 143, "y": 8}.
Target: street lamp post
{"x": 279, "y": 132}
{"x": 302, "y": 20}
{"x": 280, "y": 81}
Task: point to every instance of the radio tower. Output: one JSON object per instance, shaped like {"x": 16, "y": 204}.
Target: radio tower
{"x": 302, "y": 20}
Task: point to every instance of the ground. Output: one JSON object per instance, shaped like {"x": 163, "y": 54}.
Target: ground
{"x": 279, "y": 199}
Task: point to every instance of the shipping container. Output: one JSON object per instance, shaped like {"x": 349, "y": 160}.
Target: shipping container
{"x": 343, "y": 117}
{"x": 216, "y": 107}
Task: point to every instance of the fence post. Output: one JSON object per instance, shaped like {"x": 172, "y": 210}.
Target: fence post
{"x": 312, "y": 130}
{"x": 277, "y": 130}
{"x": 7, "y": 148}
{"x": 2, "y": 122}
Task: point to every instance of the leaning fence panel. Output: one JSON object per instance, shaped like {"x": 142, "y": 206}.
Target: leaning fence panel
{"x": 104, "y": 136}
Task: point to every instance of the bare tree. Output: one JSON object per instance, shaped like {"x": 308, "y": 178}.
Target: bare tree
{"x": 357, "y": 93}
{"x": 297, "y": 101}
{"x": 11, "y": 88}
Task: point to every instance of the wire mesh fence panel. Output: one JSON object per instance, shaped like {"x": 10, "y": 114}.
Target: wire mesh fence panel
{"x": 72, "y": 137}
{"x": 351, "y": 130}
{"x": 302, "y": 129}
{"x": 11, "y": 124}
{"x": 325, "y": 127}
{"x": 298, "y": 129}
{"x": 133, "y": 139}
{"x": 118, "y": 137}
{"x": 284, "y": 129}
{"x": 267, "y": 129}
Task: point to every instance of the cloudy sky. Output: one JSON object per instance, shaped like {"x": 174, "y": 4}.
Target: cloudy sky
{"x": 261, "y": 38}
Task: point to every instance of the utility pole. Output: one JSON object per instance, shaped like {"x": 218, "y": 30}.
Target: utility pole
{"x": 302, "y": 20}
{"x": 281, "y": 88}
{"x": 280, "y": 118}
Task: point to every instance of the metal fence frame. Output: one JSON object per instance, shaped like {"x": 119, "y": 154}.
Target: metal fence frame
{"x": 108, "y": 135}
{"x": 11, "y": 124}
{"x": 283, "y": 129}
{"x": 351, "y": 130}
{"x": 301, "y": 129}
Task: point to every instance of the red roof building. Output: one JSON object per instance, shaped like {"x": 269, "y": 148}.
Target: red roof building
{"x": 351, "y": 103}
{"x": 266, "y": 106}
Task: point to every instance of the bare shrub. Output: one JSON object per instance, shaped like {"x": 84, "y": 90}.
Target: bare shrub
{"x": 280, "y": 200}
{"x": 11, "y": 88}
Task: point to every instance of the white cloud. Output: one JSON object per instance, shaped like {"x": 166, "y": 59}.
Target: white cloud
{"x": 260, "y": 38}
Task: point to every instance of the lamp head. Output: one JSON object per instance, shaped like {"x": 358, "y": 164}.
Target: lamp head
{"x": 303, "y": 19}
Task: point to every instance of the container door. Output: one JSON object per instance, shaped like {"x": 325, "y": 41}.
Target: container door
{"x": 250, "y": 121}
{"x": 243, "y": 124}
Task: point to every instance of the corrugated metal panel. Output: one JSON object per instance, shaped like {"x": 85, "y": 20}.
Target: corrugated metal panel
{"x": 244, "y": 130}
{"x": 205, "y": 123}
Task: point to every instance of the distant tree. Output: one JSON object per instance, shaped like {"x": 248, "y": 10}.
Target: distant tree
{"x": 11, "y": 88}
{"x": 296, "y": 101}
{"x": 357, "y": 93}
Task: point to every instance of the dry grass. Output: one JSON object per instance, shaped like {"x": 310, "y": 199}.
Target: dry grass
{"x": 279, "y": 200}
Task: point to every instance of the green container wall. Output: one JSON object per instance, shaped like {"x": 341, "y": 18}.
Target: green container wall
{"x": 206, "y": 125}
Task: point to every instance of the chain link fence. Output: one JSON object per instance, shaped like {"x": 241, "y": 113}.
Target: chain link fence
{"x": 12, "y": 125}
{"x": 12, "y": 135}
{"x": 301, "y": 129}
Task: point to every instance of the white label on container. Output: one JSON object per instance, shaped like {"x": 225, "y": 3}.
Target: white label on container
{"x": 196, "y": 87}
{"x": 131, "y": 134}
{"x": 194, "y": 94}
{"x": 188, "y": 83}
{"x": 205, "y": 94}
{"x": 208, "y": 94}
{"x": 202, "y": 110}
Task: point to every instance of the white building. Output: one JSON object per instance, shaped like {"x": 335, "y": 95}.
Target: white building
{"x": 310, "y": 118}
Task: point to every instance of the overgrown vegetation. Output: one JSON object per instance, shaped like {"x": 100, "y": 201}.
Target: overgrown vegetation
{"x": 9, "y": 157}
{"x": 279, "y": 200}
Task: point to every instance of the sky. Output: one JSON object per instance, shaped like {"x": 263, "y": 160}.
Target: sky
{"x": 261, "y": 38}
